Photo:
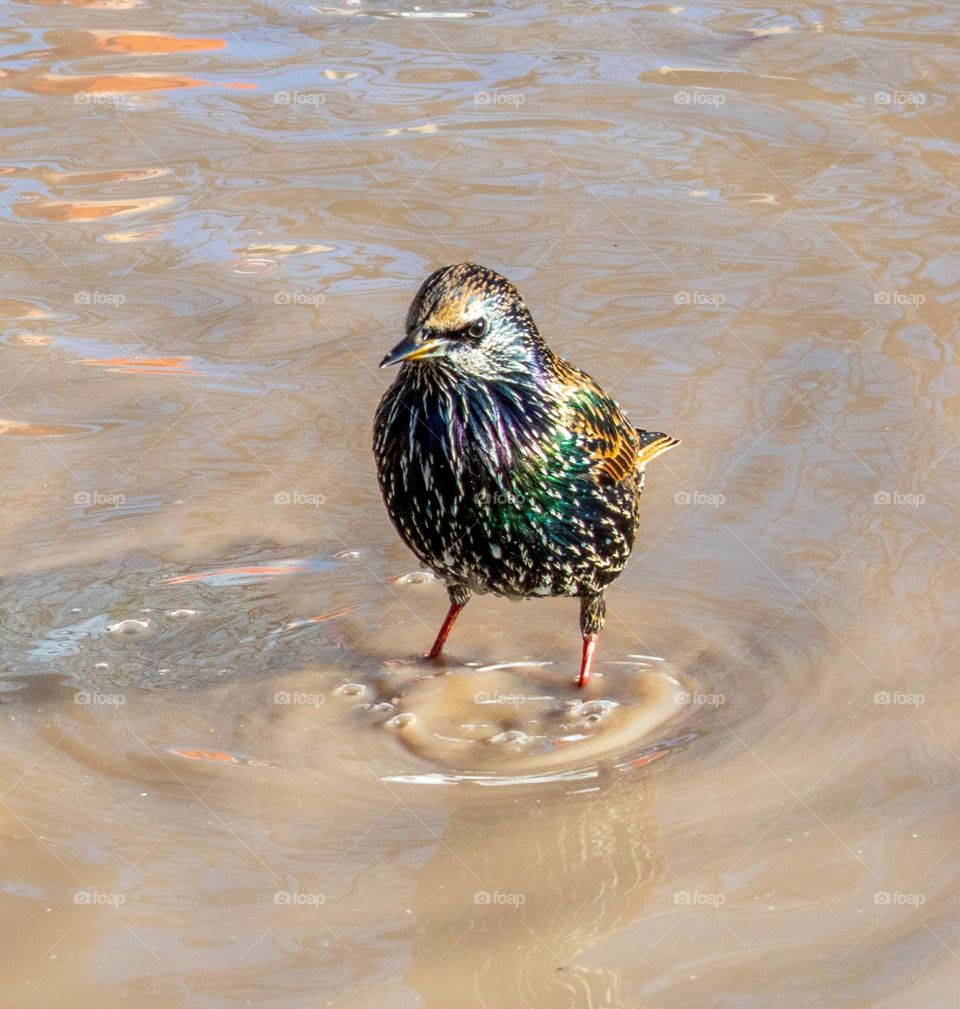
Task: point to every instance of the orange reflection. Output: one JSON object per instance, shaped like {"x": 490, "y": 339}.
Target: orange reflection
{"x": 260, "y": 570}
{"x": 145, "y": 42}
{"x": 227, "y": 758}
{"x": 21, "y": 429}
{"x": 87, "y": 210}
{"x": 319, "y": 619}
{"x": 121, "y": 175}
{"x": 221, "y": 757}
{"x": 51, "y": 84}
{"x": 142, "y": 365}
{"x": 112, "y": 5}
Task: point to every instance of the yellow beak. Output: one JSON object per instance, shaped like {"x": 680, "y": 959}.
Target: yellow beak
{"x": 414, "y": 348}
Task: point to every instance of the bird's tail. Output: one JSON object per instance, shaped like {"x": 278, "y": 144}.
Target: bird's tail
{"x": 654, "y": 443}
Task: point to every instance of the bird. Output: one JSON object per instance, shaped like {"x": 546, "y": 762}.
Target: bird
{"x": 505, "y": 469}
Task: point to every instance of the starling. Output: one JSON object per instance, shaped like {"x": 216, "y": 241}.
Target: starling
{"x": 504, "y": 468}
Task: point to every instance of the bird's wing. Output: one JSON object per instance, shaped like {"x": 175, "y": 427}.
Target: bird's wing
{"x": 610, "y": 441}
{"x": 615, "y": 447}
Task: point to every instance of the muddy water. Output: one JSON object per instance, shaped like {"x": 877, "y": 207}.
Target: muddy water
{"x": 225, "y": 780}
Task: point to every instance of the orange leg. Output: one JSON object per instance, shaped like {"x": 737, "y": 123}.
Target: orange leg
{"x": 586, "y": 663}
{"x": 448, "y": 623}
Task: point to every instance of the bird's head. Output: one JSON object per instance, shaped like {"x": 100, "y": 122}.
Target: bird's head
{"x": 472, "y": 322}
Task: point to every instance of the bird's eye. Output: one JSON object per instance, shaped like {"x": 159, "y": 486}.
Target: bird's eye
{"x": 478, "y": 327}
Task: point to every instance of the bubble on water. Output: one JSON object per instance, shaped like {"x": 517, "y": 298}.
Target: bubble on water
{"x": 512, "y": 739}
{"x": 348, "y": 555}
{"x": 377, "y": 707}
{"x": 130, "y": 628}
{"x": 415, "y": 578}
{"x": 401, "y": 721}
{"x": 586, "y": 724}
{"x": 31, "y": 339}
{"x": 255, "y": 266}
{"x": 101, "y": 665}
{"x": 351, "y": 690}
{"x": 591, "y": 710}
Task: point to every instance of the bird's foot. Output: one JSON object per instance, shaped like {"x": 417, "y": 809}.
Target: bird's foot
{"x": 586, "y": 662}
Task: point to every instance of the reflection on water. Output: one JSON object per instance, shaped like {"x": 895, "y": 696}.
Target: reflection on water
{"x": 504, "y": 912}
{"x": 226, "y": 778}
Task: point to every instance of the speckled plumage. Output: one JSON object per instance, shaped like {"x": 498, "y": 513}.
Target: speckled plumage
{"x": 504, "y": 468}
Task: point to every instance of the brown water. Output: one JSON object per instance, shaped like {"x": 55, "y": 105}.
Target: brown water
{"x": 225, "y": 779}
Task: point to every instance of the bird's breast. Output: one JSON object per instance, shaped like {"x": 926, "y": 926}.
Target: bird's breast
{"x": 495, "y": 504}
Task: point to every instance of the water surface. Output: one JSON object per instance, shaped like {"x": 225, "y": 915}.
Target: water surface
{"x": 225, "y": 781}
